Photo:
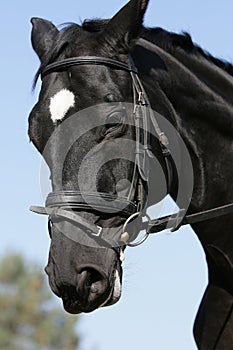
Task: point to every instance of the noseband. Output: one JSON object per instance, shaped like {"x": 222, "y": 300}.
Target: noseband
{"x": 64, "y": 205}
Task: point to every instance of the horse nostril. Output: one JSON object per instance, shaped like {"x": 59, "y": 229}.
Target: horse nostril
{"x": 91, "y": 284}
{"x": 92, "y": 280}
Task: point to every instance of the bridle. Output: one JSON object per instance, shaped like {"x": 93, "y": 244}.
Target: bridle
{"x": 64, "y": 205}
{"x": 59, "y": 204}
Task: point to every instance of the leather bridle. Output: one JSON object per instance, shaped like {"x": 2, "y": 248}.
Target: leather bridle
{"x": 65, "y": 205}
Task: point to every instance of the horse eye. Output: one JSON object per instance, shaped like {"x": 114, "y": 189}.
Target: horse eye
{"x": 114, "y": 121}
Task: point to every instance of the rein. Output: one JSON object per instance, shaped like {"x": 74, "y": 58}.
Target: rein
{"x": 59, "y": 205}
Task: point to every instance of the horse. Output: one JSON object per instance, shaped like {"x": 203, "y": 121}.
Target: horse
{"x": 126, "y": 115}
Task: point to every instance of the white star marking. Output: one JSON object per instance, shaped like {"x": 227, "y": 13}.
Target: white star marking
{"x": 60, "y": 103}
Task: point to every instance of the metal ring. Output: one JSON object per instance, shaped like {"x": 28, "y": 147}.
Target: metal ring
{"x": 137, "y": 214}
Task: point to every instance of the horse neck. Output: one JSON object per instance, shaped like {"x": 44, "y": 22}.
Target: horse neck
{"x": 196, "y": 96}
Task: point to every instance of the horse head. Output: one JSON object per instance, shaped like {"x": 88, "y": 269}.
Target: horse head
{"x": 83, "y": 124}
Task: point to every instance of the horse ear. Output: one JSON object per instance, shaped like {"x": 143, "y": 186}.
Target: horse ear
{"x": 43, "y": 35}
{"x": 124, "y": 28}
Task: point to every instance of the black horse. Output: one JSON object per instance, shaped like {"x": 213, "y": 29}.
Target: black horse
{"x": 93, "y": 118}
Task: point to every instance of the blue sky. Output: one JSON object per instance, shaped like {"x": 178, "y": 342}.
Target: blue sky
{"x": 165, "y": 278}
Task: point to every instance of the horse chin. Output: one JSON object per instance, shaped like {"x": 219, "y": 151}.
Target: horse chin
{"x": 74, "y": 308}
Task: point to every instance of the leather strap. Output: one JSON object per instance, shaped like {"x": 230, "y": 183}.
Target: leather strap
{"x": 85, "y": 60}
{"x": 177, "y": 220}
{"x": 101, "y": 202}
{"x": 58, "y": 213}
{"x": 93, "y": 231}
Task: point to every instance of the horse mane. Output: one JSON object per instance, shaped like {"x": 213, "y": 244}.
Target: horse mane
{"x": 170, "y": 41}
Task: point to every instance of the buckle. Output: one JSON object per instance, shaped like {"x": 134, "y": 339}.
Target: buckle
{"x": 141, "y": 99}
{"x": 178, "y": 219}
{"x": 174, "y": 221}
{"x": 99, "y": 233}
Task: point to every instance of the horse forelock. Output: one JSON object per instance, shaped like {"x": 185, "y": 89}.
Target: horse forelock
{"x": 68, "y": 38}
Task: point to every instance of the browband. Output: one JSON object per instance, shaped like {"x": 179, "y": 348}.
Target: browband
{"x": 86, "y": 60}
